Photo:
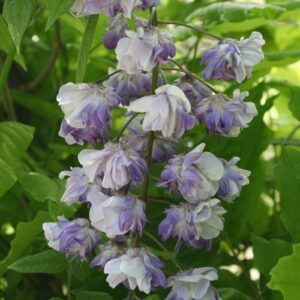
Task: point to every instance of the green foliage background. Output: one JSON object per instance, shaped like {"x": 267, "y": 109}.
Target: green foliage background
{"x": 43, "y": 46}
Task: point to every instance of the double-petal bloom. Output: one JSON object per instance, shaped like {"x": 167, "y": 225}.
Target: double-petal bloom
{"x": 233, "y": 59}
{"x": 166, "y": 111}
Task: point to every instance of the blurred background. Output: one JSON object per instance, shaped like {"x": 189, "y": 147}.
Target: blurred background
{"x": 261, "y": 226}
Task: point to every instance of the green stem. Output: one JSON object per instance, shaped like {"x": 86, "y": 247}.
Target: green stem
{"x": 125, "y": 126}
{"x": 202, "y": 31}
{"x": 6, "y": 67}
{"x": 153, "y": 238}
{"x": 69, "y": 283}
{"x": 11, "y": 113}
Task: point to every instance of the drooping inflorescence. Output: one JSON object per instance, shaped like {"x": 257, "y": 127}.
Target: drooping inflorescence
{"x": 113, "y": 179}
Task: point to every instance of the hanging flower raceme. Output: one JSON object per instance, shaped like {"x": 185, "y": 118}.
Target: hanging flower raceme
{"x": 225, "y": 116}
{"x": 116, "y": 164}
{"x": 193, "y": 284}
{"x": 108, "y": 251}
{"x": 166, "y": 111}
{"x": 75, "y": 238}
{"x": 137, "y": 268}
{"x": 138, "y": 140}
{"x": 117, "y": 215}
{"x": 115, "y": 32}
{"x": 179, "y": 223}
{"x": 130, "y": 86}
{"x": 195, "y": 175}
{"x": 232, "y": 59}
{"x": 143, "y": 49}
{"x": 87, "y": 109}
{"x": 78, "y": 186}
{"x": 233, "y": 180}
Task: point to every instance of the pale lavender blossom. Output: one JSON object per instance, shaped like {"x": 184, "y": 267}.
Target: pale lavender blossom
{"x": 116, "y": 164}
{"x": 194, "y": 90}
{"x": 207, "y": 218}
{"x": 128, "y": 6}
{"x": 138, "y": 139}
{"x": 166, "y": 111}
{"x": 115, "y": 32}
{"x": 233, "y": 59}
{"x": 75, "y": 238}
{"x": 130, "y": 86}
{"x": 117, "y": 215}
{"x": 143, "y": 49}
{"x": 179, "y": 224}
{"x": 195, "y": 175}
{"x": 137, "y": 268}
{"x": 234, "y": 179}
{"x": 193, "y": 284}
{"x": 225, "y": 116}
{"x": 87, "y": 109}
{"x": 78, "y": 186}
{"x": 94, "y": 7}
{"x": 108, "y": 251}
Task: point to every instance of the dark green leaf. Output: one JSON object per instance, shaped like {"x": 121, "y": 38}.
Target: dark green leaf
{"x": 294, "y": 103}
{"x": 87, "y": 295}
{"x": 232, "y": 294}
{"x": 49, "y": 261}
{"x": 56, "y": 8}
{"x": 287, "y": 174}
{"x": 26, "y": 233}
{"x": 17, "y": 14}
{"x": 267, "y": 253}
{"x": 86, "y": 44}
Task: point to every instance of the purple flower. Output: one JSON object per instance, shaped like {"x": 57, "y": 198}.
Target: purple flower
{"x": 179, "y": 224}
{"x": 144, "y": 49}
{"x": 87, "y": 110}
{"x": 78, "y": 186}
{"x": 194, "y": 90}
{"x": 138, "y": 139}
{"x": 223, "y": 116}
{"x": 232, "y": 59}
{"x": 117, "y": 215}
{"x": 115, "y": 32}
{"x": 130, "y": 86}
{"x": 75, "y": 238}
{"x": 193, "y": 284}
{"x": 195, "y": 175}
{"x": 207, "y": 218}
{"x": 166, "y": 111}
{"x": 116, "y": 164}
{"x": 94, "y": 7}
{"x": 234, "y": 179}
{"x": 108, "y": 251}
{"x": 137, "y": 268}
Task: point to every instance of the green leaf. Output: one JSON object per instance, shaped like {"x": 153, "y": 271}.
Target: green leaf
{"x": 7, "y": 43}
{"x": 287, "y": 175}
{"x": 57, "y": 8}
{"x": 86, "y": 44}
{"x": 152, "y": 297}
{"x": 39, "y": 187}
{"x": 17, "y": 14}
{"x": 294, "y": 103}
{"x": 49, "y": 261}
{"x": 235, "y": 12}
{"x": 286, "y": 275}
{"x": 15, "y": 138}
{"x": 26, "y": 233}
{"x": 87, "y": 295}
{"x": 232, "y": 294}
{"x": 14, "y": 141}
{"x": 267, "y": 253}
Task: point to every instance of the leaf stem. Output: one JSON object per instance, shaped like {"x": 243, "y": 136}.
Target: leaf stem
{"x": 69, "y": 283}
{"x": 202, "y": 31}
{"x": 108, "y": 76}
{"x": 6, "y": 67}
{"x": 174, "y": 259}
{"x": 125, "y": 126}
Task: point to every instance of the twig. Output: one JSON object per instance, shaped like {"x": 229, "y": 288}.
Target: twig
{"x": 44, "y": 73}
{"x": 108, "y": 76}
{"x": 202, "y": 31}
{"x": 125, "y": 126}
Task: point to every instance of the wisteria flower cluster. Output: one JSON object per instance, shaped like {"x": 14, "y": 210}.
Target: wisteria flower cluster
{"x": 113, "y": 179}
